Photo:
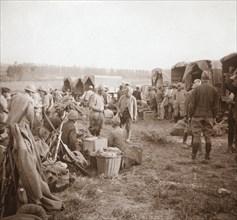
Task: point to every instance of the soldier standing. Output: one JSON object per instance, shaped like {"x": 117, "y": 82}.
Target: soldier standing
{"x": 203, "y": 110}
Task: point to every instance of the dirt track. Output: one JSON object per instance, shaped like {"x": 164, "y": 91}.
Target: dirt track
{"x": 166, "y": 186}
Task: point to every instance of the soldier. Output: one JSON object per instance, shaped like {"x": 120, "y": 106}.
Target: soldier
{"x": 231, "y": 84}
{"x": 179, "y": 99}
{"x": 127, "y": 111}
{"x": 47, "y": 100}
{"x": 21, "y": 107}
{"x": 203, "y": 110}
{"x": 159, "y": 99}
{"x": 86, "y": 97}
{"x": 137, "y": 93}
{"x": 3, "y": 107}
{"x": 187, "y": 130}
{"x": 169, "y": 101}
{"x": 117, "y": 135}
{"x": 120, "y": 92}
{"x": 69, "y": 134}
{"x": 96, "y": 106}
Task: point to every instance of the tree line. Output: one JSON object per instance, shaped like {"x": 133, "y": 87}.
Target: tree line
{"x": 28, "y": 72}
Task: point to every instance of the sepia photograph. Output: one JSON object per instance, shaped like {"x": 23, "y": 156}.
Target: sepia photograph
{"x": 118, "y": 110}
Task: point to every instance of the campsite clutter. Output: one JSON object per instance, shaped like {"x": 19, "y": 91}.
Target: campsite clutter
{"x": 49, "y": 137}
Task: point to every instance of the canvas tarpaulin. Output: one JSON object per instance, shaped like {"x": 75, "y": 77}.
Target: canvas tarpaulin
{"x": 156, "y": 77}
{"x": 67, "y": 84}
{"x": 78, "y": 87}
{"x": 177, "y": 72}
{"x": 194, "y": 71}
{"x": 30, "y": 171}
{"x": 229, "y": 60}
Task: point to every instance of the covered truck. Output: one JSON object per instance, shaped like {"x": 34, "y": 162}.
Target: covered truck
{"x": 227, "y": 61}
{"x": 177, "y": 72}
{"x": 194, "y": 71}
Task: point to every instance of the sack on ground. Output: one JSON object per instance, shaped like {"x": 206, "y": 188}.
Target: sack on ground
{"x": 132, "y": 156}
{"x": 178, "y": 128}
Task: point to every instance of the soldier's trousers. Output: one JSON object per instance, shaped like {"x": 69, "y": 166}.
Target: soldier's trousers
{"x": 199, "y": 125}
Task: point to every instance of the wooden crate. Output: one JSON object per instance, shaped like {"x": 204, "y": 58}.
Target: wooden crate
{"x": 149, "y": 115}
{"x": 94, "y": 145}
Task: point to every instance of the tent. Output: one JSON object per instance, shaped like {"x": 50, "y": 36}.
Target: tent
{"x": 194, "y": 71}
{"x": 177, "y": 72}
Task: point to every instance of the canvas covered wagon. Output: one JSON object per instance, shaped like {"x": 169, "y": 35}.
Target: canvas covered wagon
{"x": 67, "y": 84}
{"x": 194, "y": 71}
{"x": 78, "y": 87}
{"x": 112, "y": 82}
{"x": 177, "y": 72}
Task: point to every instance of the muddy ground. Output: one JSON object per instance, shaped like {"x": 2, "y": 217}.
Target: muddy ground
{"x": 166, "y": 186}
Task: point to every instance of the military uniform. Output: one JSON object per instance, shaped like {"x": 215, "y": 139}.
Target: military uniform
{"x": 21, "y": 109}
{"x": 69, "y": 136}
{"x": 203, "y": 109}
{"x": 96, "y": 106}
{"x": 232, "y": 118}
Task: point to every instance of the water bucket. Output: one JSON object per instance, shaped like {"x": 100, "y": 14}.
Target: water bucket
{"x": 109, "y": 166}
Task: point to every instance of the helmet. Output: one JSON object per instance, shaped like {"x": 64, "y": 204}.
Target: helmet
{"x": 30, "y": 88}
{"x": 101, "y": 88}
{"x": 116, "y": 120}
{"x": 42, "y": 88}
{"x": 205, "y": 75}
{"x": 73, "y": 115}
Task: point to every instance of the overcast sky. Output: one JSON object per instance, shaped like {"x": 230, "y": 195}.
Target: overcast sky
{"x": 117, "y": 34}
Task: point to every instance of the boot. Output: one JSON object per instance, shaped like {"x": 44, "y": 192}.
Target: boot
{"x": 185, "y": 137}
{"x": 208, "y": 150}
{"x": 195, "y": 147}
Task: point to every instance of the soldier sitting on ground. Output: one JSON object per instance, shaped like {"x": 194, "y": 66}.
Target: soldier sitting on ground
{"x": 69, "y": 132}
{"x": 117, "y": 136}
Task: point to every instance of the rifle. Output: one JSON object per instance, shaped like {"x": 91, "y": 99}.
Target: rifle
{"x": 67, "y": 150}
{"x": 4, "y": 188}
{"x": 54, "y": 155}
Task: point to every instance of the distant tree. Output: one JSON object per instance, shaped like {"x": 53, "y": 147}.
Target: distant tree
{"x": 15, "y": 72}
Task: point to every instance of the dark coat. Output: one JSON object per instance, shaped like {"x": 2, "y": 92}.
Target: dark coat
{"x": 204, "y": 101}
{"x": 28, "y": 163}
{"x": 233, "y": 89}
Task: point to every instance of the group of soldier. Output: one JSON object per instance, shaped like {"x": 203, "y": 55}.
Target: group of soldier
{"x": 197, "y": 107}
{"x": 44, "y": 111}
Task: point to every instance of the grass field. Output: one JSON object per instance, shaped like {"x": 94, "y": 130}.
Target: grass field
{"x": 166, "y": 186}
